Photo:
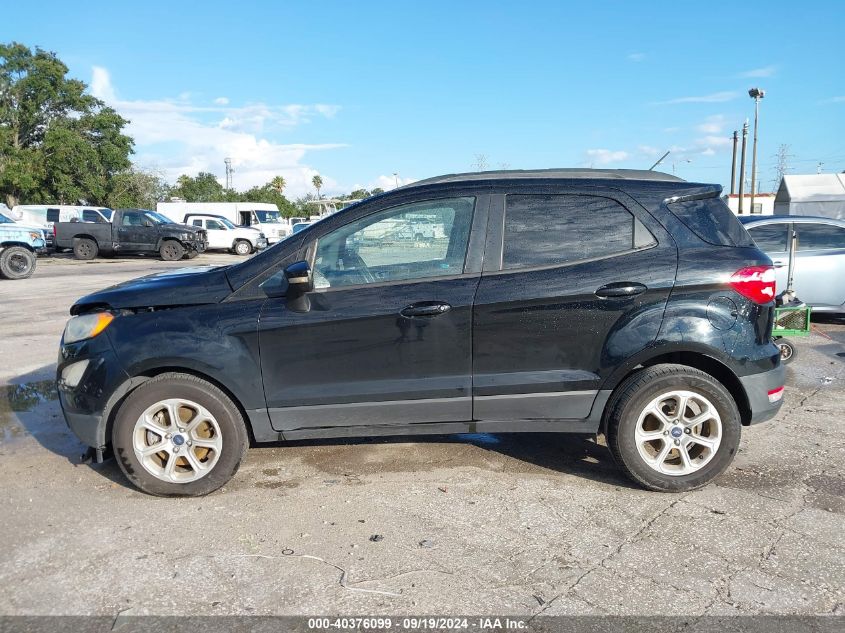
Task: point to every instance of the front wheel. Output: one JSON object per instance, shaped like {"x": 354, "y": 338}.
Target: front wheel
{"x": 171, "y": 251}
{"x": 17, "y": 262}
{"x": 672, "y": 428}
{"x": 787, "y": 350}
{"x": 178, "y": 435}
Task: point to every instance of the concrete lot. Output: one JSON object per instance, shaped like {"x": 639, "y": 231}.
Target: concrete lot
{"x": 517, "y": 525}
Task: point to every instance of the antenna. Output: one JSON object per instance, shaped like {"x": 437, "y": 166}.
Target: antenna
{"x": 229, "y": 172}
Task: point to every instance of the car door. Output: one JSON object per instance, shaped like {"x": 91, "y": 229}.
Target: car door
{"x": 387, "y": 339}
{"x": 574, "y": 283}
{"x": 132, "y": 234}
{"x": 773, "y": 239}
{"x": 819, "y": 276}
{"x": 217, "y": 234}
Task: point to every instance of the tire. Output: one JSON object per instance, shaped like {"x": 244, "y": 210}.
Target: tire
{"x": 85, "y": 248}
{"x": 17, "y": 262}
{"x": 629, "y": 427}
{"x": 242, "y": 248}
{"x": 787, "y": 350}
{"x": 220, "y": 423}
{"x": 171, "y": 251}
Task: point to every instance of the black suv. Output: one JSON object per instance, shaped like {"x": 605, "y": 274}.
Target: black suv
{"x": 577, "y": 301}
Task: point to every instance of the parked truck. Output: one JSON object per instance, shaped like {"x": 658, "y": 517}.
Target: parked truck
{"x": 19, "y": 245}
{"x": 259, "y": 215}
{"x": 131, "y": 231}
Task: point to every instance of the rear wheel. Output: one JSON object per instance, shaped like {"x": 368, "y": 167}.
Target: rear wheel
{"x": 243, "y": 248}
{"x": 17, "y": 262}
{"x": 85, "y": 248}
{"x": 171, "y": 251}
{"x": 178, "y": 435}
{"x": 672, "y": 428}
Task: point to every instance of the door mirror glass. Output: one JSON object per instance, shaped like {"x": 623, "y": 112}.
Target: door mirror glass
{"x": 148, "y": 224}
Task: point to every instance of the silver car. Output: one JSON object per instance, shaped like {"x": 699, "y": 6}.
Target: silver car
{"x": 819, "y": 275}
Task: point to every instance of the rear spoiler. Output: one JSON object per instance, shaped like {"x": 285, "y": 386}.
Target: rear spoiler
{"x": 699, "y": 193}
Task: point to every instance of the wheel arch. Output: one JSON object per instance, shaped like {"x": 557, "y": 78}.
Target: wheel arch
{"x": 695, "y": 358}
{"x": 131, "y": 384}
{"x": 10, "y": 244}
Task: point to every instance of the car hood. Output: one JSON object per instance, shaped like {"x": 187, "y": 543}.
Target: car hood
{"x": 185, "y": 286}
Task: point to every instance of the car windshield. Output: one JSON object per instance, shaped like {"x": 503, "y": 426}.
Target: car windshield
{"x": 226, "y": 223}
{"x": 268, "y": 217}
{"x": 157, "y": 217}
{"x": 5, "y": 220}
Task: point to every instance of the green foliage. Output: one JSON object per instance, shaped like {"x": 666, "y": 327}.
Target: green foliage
{"x": 57, "y": 143}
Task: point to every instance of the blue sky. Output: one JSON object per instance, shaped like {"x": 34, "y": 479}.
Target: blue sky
{"x": 358, "y": 91}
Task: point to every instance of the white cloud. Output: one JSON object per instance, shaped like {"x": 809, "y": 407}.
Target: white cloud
{"x": 636, "y": 57}
{"x": 714, "y": 141}
{"x": 648, "y": 150}
{"x": 835, "y": 100}
{"x": 765, "y": 71}
{"x": 178, "y": 137}
{"x": 712, "y": 125}
{"x": 386, "y": 182}
{"x": 708, "y": 152}
{"x": 716, "y": 97}
{"x": 605, "y": 156}
{"x": 221, "y": 101}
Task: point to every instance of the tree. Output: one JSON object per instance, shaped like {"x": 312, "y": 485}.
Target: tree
{"x": 57, "y": 143}
{"x": 278, "y": 183}
{"x": 317, "y": 181}
{"x": 136, "y": 188}
{"x": 204, "y": 187}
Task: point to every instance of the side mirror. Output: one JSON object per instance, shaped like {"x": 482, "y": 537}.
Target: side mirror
{"x": 148, "y": 224}
{"x": 299, "y": 277}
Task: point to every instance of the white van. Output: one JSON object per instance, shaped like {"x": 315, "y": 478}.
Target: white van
{"x": 45, "y": 215}
{"x": 259, "y": 215}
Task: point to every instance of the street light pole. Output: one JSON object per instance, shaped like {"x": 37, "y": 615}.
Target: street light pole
{"x": 756, "y": 94}
{"x": 396, "y": 179}
{"x": 742, "y": 167}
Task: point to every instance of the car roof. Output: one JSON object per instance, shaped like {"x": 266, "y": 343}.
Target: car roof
{"x": 797, "y": 219}
{"x": 207, "y": 215}
{"x": 549, "y": 174}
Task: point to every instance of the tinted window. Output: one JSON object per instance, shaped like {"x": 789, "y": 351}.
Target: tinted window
{"x": 771, "y": 238}
{"x": 52, "y": 215}
{"x": 550, "y": 230}
{"x": 89, "y": 215}
{"x": 815, "y": 237}
{"x": 712, "y": 221}
{"x": 131, "y": 218}
{"x": 197, "y": 222}
{"x": 414, "y": 241}
{"x": 214, "y": 225}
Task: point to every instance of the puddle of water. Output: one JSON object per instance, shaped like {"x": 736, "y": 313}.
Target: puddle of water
{"x": 23, "y": 397}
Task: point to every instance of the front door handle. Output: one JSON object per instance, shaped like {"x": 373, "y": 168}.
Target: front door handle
{"x": 778, "y": 263}
{"x": 621, "y": 289}
{"x": 425, "y": 309}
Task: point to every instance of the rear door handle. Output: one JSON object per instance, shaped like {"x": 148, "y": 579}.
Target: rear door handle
{"x": 425, "y": 309}
{"x": 779, "y": 264}
{"x": 621, "y": 289}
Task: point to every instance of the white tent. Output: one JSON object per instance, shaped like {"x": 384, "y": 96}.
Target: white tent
{"x": 817, "y": 194}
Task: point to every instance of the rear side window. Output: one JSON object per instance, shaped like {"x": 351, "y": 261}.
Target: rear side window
{"x": 712, "y": 221}
{"x": 558, "y": 229}
{"x": 772, "y": 238}
{"x": 819, "y": 237}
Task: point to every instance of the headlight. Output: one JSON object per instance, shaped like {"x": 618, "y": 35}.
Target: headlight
{"x": 36, "y": 236}
{"x": 86, "y": 326}
{"x": 262, "y": 235}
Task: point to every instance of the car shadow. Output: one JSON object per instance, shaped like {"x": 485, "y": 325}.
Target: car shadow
{"x": 30, "y": 407}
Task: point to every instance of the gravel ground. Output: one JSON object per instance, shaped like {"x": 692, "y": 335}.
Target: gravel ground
{"x": 522, "y": 525}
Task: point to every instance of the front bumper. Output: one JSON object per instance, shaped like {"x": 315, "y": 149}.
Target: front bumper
{"x": 761, "y": 389}
{"x": 261, "y": 243}
{"x": 87, "y": 404}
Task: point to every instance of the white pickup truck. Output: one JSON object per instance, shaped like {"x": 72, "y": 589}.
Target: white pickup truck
{"x": 224, "y": 235}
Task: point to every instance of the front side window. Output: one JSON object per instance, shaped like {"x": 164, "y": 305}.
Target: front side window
{"x": 414, "y": 241}
{"x": 771, "y": 238}
{"x": 819, "y": 237}
{"x": 131, "y": 218}
{"x": 214, "y": 225}
{"x": 558, "y": 229}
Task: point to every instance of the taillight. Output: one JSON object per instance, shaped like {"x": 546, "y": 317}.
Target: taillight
{"x": 755, "y": 282}
{"x": 54, "y": 229}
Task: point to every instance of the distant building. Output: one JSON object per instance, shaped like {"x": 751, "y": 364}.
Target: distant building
{"x": 764, "y": 203}
{"x": 815, "y": 194}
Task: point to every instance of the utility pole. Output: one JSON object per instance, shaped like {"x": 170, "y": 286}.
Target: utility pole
{"x": 756, "y": 94}
{"x": 742, "y": 166}
{"x": 733, "y": 164}
{"x": 782, "y": 158}
{"x": 229, "y": 171}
